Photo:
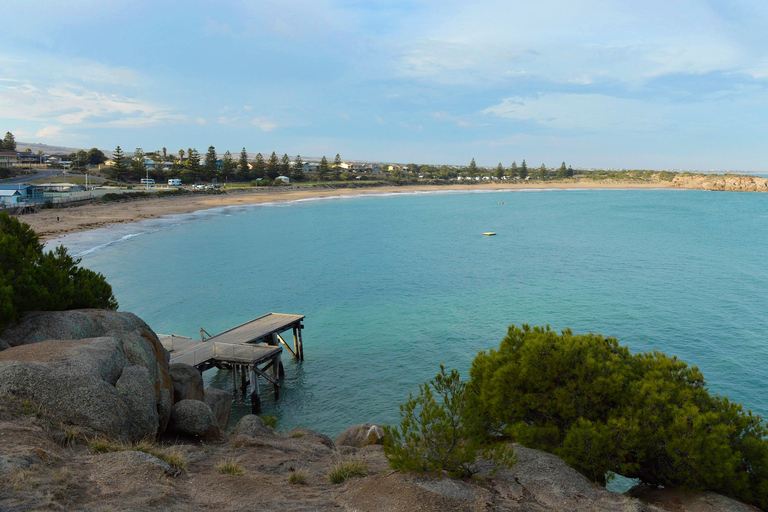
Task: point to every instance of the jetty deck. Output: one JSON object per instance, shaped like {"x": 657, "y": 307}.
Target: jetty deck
{"x": 252, "y": 347}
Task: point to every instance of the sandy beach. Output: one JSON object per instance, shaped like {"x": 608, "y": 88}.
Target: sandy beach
{"x": 50, "y": 224}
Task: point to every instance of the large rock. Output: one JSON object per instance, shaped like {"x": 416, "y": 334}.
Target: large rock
{"x": 194, "y": 418}
{"x": 361, "y": 435}
{"x": 688, "y": 501}
{"x": 113, "y": 381}
{"x": 187, "y": 383}
{"x": 220, "y": 403}
{"x": 312, "y": 435}
{"x": 251, "y": 426}
{"x": 542, "y": 479}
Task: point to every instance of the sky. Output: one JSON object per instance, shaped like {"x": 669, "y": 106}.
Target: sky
{"x": 672, "y": 84}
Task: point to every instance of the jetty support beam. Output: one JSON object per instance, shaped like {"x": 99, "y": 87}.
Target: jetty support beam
{"x": 255, "y": 398}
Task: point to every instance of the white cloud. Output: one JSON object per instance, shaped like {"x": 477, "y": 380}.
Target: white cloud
{"x": 67, "y": 104}
{"x": 412, "y": 127}
{"x": 201, "y": 121}
{"x": 49, "y": 132}
{"x": 582, "y": 111}
{"x": 263, "y": 124}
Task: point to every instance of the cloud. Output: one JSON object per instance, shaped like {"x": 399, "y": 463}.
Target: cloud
{"x": 581, "y": 111}
{"x": 380, "y": 120}
{"x": 201, "y": 121}
{"x": 263, "y": 124}
{"x": 49, "y": 132}
{"x": 458, "y": 121}
{"x": 68, "y": 104}
{"x": 412, "y": 127}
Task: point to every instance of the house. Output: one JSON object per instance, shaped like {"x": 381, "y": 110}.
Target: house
{"x": 8, "y": 158}
{"x": 10, "y": 197}
{"x": 25, "y": 193}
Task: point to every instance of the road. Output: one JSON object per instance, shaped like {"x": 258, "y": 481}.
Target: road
{"x": 39, "y": 175}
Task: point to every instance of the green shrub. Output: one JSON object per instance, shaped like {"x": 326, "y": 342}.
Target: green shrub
{"x": 270, "y": 421}
{"x": 604, "y": 410}
{"x": 435, "y": 436}
{"x": 34, "y": 280}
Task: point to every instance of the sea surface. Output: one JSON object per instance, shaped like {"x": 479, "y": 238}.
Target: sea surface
{"x": 392, "y": 286}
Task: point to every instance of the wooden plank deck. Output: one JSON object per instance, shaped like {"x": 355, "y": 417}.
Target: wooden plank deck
{"x": 258, "y": 329}
{"x": 249, "y": 348}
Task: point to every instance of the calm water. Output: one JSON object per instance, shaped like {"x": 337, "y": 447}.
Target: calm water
{"x": 393, "y": 286}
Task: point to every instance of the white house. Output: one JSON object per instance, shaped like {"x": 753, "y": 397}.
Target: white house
{"x": 10, "y": 197}
{"x": 284, "y": 179}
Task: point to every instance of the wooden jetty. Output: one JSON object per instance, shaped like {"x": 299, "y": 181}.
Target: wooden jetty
{"x": 251, "y": 348}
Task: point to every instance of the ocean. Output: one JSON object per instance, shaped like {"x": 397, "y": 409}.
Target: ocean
{"x": 394, "y": 285}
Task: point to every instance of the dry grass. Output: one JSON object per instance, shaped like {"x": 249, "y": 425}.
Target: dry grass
{"x": 171, "y": 457}
{"x": 297, "y": 477}
{"x": 345, "y": 469}
{"x": 230, "y": 467}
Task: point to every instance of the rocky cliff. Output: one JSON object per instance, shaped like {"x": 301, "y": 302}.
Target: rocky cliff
{"x": 79, "y": 390}
{"x": 727, "y": 182}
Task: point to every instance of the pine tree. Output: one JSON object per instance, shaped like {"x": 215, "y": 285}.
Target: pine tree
{"x": 273, "y": 167}
{"x": 472, "y": 169}
{"x": 259, "y": 168}
{"x": 337, "y": 161}
{"x": 513, "y": 169}
{"x": 523, "y": 172}
{"x": 193, "y": 163}
{"x": 228, "y": 166}
{"x": 562, "y": 172}
{"x": 297, "y": 173}
{"x": 242, "y": 166}
{"x": 499, "y": 171}
{"x": 210, "y": 163}
{"x": 543, "y": 172}
{"x": 285, "y": 165}
{"x": 117, "y": 172}
{"x": 9, "y": 142}
{"x": 322, "y": 171}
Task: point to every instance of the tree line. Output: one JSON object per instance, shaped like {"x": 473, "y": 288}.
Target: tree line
{"x": 190, "y": 166}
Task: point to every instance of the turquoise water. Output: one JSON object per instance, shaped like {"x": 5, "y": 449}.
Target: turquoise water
{"x": 393, "y": 286}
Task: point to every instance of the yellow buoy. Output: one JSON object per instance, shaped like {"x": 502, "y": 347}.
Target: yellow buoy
{"x": 489, "y": 233}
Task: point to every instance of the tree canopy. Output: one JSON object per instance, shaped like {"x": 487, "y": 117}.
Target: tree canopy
{"x": 34, "y": 280}
{"x": 604, "y": 410}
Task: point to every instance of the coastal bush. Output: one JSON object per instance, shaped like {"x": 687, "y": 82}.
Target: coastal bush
{"x": 34, "y": 280}
{"x": 435, "y": 436}
{"x": 604, "y": 410}
{"x": 270, "y": 421}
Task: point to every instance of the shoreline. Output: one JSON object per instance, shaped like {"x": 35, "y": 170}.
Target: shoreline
{"x": 76, "y": 219}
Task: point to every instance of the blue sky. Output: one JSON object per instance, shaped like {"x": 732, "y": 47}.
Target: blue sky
{"x": 595, "y": 83}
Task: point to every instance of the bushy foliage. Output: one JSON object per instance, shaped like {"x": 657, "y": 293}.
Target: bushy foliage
{"x": 602, "y": 409}
{"x": 434, "y": 436}
{"x": 34, "y": 280}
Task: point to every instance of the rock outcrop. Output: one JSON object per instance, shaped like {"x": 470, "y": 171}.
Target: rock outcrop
{"x": 187, "y": 383}
{"x": 103, "y": 371}
{"x": 362, "y": 435}
{"x": 729, "y": 182}
{"x": 251, "y": 426}
{"x": 220, "y": 403}
{"x": 194, "y": 418}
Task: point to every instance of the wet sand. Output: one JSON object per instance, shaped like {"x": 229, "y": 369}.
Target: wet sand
{"x": 50, "y": 224}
